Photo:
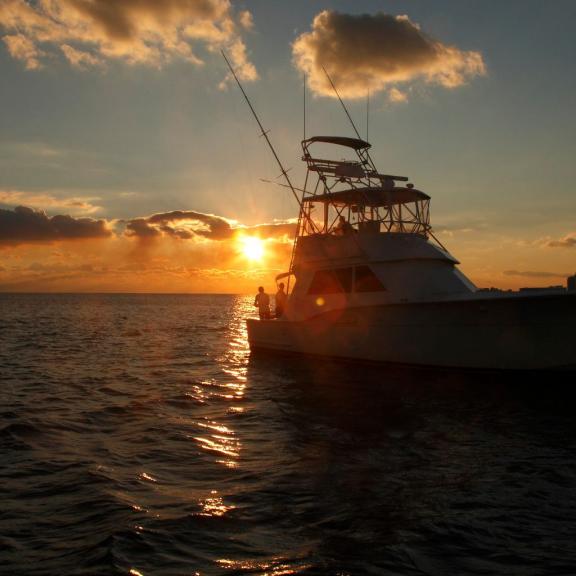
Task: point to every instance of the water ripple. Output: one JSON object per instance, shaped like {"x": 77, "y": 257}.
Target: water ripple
{"x": 138, "y": 436}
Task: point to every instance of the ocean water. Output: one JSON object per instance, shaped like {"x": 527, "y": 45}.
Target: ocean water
{"x": 138, "y": 436}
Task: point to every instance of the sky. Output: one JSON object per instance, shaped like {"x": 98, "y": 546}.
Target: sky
{"x": 129, "y": 161}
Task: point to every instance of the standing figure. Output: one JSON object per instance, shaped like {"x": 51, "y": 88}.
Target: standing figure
{"x": 280, "y": 300}
{"x": 262, "y": 302}
{"x": 343, "y": 227}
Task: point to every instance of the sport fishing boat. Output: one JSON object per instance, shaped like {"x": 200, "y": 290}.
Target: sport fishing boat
{"x": 369, "y": 281}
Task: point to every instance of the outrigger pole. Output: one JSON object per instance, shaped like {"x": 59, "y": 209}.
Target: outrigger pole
{"x": 265, "y": 134}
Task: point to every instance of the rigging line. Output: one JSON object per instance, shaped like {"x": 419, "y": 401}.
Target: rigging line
{"x": 440, "y": 243}
{"x": 265, "y": 134}
{"x": 349, "y": 117}
{"x": 369, "y": 158}
{"x": 266, "y": 181}
{"x": 341, "y": 102}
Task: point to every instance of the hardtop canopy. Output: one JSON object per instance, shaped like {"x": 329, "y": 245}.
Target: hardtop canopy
{"x": 354, "y": 143}
{"x": 371, "y": 196}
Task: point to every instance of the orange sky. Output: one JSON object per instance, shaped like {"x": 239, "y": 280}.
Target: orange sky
{"x": 172, "y": 252}
{"x": 187, "y": 257}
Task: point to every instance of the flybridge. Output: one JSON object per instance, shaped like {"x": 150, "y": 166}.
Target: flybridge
{"x": 361, "y": 168}
{"x": 355, "y": 197}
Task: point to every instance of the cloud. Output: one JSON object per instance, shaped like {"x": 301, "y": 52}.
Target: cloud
{"x": 150, "y": 32}
{"x": 395, "y": 95}
{"x": 79, "y": 59}
{"x": 22, "y": 48}
{"x": 188, "y": 224}
{"x": 376, "y": 51}
{"x": 177, "y": 251}
{"x": 568, "y": 241}
{"x": 82, "y": 204}
{"x": 26, "y": 225}
{"x": 139, "y": 228}
{"x": 246, "y": 20}
{"x": 183, "y": 224}
{"x": 535, "y": 274}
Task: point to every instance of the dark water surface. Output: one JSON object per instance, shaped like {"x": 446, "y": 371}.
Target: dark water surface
{"x": 138, "y": 436}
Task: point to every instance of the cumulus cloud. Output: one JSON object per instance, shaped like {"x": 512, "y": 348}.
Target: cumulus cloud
{"x": 375, "y": 52}
{"x": 26, "y": 225}
{"x": 187, "y": 224}
{"x": 139, "y": 228}
{"x": 183, "y": 224}
{"x": 150, "y": 32}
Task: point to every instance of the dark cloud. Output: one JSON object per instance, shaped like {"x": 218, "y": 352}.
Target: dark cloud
{"x": 140, "y": 228}
{"x": 186, "y": 224}
{"x": 24, "y": 225}
{"x": 376, "y": 51}
{"x": 183, "y": 224}
{"x": 211, "y": 226}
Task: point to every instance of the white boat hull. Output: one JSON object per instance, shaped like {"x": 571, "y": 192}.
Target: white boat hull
{"x": 518, "y": 333}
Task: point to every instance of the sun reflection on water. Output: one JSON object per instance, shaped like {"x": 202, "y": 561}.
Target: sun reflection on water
{"x": 214, "y": 505}
{"x": 220, "y": 438}
{"x": 276, "y": 567}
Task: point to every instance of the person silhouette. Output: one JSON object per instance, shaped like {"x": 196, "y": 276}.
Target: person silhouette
{"x": 343, "y": 227}
{"x": 280, "y": 300}
{"x": 262, "y": 302}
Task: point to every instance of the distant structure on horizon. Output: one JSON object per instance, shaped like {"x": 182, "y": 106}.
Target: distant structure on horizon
{"x": 570, "y": 287}
{"x": 544, "y": 290}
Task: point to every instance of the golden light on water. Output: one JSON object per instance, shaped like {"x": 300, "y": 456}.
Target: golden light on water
{"x": 214, "y": 505}
{"x": 252, "y": 248}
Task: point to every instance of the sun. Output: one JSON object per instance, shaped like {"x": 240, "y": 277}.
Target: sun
{"x": 252, "y": 248}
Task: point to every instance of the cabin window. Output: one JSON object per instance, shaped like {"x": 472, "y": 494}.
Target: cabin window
{"x": 367, "y": 281}
{"x": 344, "y": 276}
{"x": 331, "y": 281}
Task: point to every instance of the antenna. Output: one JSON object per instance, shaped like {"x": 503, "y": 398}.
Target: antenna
{"x": 265, "y": 134}
{"x": 304, "y": 99}
{"x": 367, "y": 111}
{"x": 349, "y": 117}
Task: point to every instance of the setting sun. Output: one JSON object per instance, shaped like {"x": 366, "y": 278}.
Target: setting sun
{"x": 252, "y": 248}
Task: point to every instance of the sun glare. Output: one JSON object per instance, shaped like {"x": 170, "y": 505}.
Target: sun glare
{"x": 252, "y": 248}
